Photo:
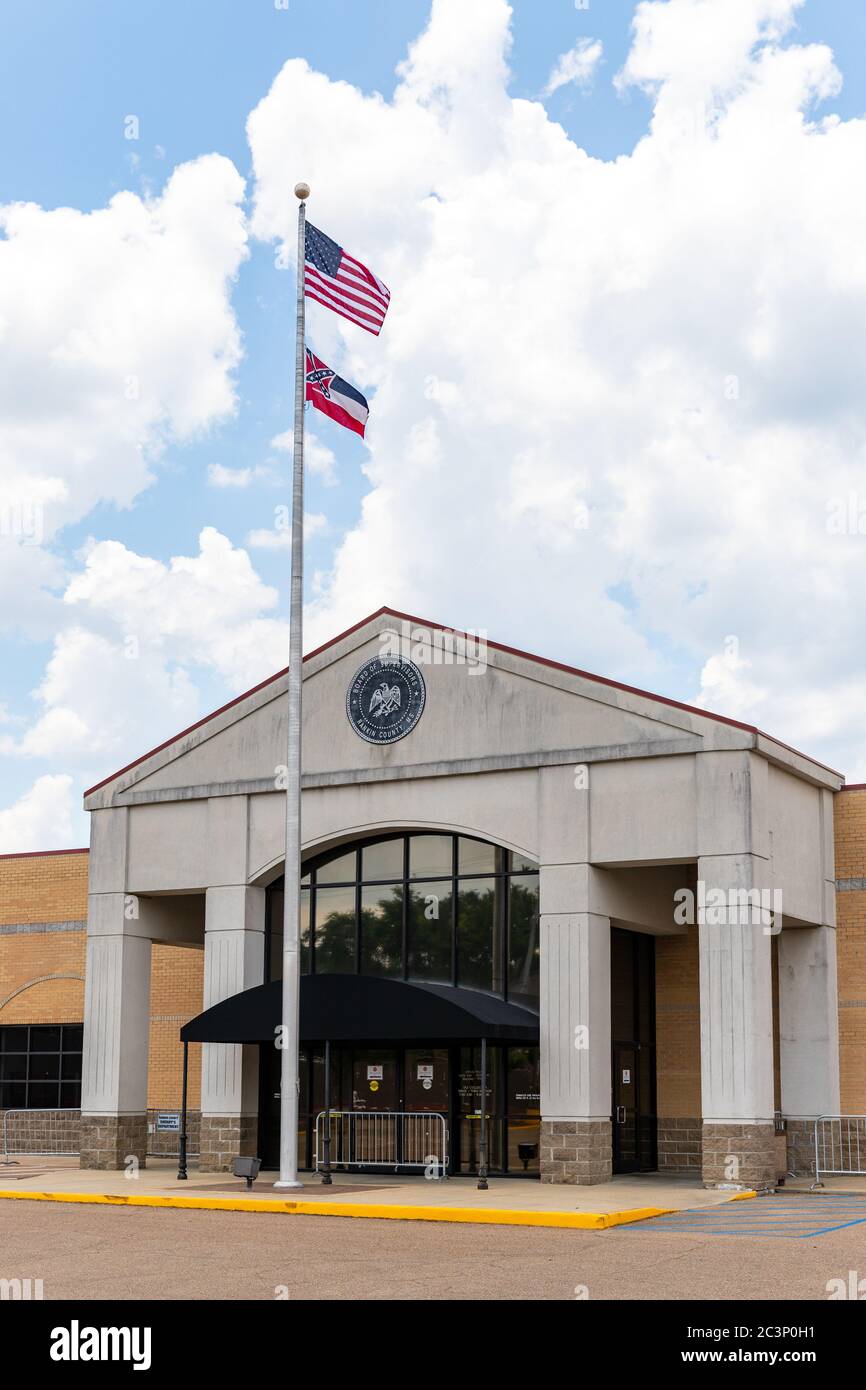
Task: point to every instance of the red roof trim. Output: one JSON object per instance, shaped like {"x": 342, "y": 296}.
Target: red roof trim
{"x": 497, "y": 646}
{"x": 854, "y": 787}
{"x": 42, "y": 853}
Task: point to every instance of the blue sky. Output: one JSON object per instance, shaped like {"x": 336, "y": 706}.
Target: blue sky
{"x": 191, "y": 73}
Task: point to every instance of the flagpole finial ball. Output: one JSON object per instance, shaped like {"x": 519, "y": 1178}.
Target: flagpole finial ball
{"x": 302, "y": 190}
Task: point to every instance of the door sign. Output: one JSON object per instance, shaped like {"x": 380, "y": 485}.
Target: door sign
{"x": 425, "y": 1071}
{"x": 626, "y": 1077}
{"x": 374, "y": 1073}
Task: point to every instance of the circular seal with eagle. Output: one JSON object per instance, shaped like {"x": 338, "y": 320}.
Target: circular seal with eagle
{"x": 386, "y": 699}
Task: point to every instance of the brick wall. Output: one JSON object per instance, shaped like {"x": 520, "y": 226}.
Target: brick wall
{"x": 52, "y": 889}
{"x": 850, "y": 826}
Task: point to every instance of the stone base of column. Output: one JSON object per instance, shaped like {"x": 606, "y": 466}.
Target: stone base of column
{"x": 224, "y": 1138}
{"x": 679, "y": 1145}
{"x": 576, "y": 1151}
{"x": 739, "y": 1156}
{"x": 109, "y": 1141}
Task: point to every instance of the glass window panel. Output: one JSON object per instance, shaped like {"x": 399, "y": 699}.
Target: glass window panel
{"x": 70, "y": 1095}
{"x": 13, "y": 1095}
{"x": 13, "y": 1066}
{"x": 383, "y": 860}
{"x": 523, "y": 1085}
{"x": 43, "y": 1096}
{"x": 44, "y": 1066}
{"x": 430, "y": 855}
{"x": 622, "y": 983}
{"x": 523, "y": 951}
{"x": 45, "y": 1039}
{"x": 275, "y": 932}
{"x": 335, "y": 931}
{"x": 305, "y": 881}
{"x": 73, "y": 1037}
{"x": 13, "y": 1039}
{"x": 479, "y": 945}
{"x": 305, "y": 930}
{"x": 476, "y": 857}
{"x": 382, "y": 930}
{"x": 70, "y": 1068}
{"x": 431, "y": 914}
{"x": 342, "y": 869}
{"x": 521, "y": 864}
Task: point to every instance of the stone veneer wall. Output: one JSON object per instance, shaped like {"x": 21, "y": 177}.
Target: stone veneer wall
{"x": 109, "y": 1141}
{"x": 224, "y": 1138}
{"x": 575, "y": 1151}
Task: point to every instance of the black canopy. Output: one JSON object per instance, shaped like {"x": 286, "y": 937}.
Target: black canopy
{"x": 360, "y": 1008}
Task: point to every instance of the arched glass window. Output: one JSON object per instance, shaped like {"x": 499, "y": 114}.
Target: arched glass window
{"x": 437, "y": 908}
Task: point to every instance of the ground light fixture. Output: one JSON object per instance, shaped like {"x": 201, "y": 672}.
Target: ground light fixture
{"x": 247, "y": 1167}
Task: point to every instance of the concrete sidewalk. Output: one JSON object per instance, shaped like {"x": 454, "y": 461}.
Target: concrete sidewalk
{"x": 508, "y": 1201}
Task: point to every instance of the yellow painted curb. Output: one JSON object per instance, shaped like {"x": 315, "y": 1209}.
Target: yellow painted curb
{"x": 582, "y": 1221}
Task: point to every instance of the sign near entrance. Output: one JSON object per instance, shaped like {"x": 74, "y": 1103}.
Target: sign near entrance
{"x": 374, "y": 1073}
{"x": 425, "y": 1072}
{"x": 168, "y": 1122}
{"x": 386, "y": 699}
{"x": 626, "y": 1077}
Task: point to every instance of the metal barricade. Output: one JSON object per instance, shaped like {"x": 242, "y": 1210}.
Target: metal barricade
{"x": 384, "y": 1139}
{"x": 44, "y": 1133}
{"x": 840, "y": 1146}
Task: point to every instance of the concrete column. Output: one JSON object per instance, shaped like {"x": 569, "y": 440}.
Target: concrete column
{"x": 234, "y": 946}
{"x": 575, "y": 1030}
{"x": 116, "y": 1025}
{"x": 736, "y": 1027}
{"x": 808, "y": 1035}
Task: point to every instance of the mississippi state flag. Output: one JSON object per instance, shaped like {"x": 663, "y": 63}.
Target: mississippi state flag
{"x": 334, "y": 396}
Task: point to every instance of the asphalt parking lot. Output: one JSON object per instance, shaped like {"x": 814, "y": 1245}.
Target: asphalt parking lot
{"x": 740, "y": 1251}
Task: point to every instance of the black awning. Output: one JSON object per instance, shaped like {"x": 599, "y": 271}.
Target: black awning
{"x": 360, "y": 1008}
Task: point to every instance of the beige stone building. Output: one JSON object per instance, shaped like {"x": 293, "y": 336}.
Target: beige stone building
{"x": 653, "y": 918}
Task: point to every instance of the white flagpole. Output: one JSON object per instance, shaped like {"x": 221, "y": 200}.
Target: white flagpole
{"x": 290, "y": 1031}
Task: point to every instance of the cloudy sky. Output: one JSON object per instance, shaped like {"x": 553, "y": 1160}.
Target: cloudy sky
{"x": 617, "y": 412}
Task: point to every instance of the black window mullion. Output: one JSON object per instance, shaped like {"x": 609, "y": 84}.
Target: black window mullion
{"x": 455, "y": 913}
{"x": 405, "y": 923}
{"x": 358, "y": 911}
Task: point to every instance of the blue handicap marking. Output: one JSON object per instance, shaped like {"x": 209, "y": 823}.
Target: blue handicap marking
{"x": 782, "y": 1217}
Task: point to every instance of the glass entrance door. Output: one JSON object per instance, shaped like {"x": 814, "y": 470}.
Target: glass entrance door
{"x": 625, "y": 1087}
{"x": 442, "y": 1080}
{"x": 633, "y": 1101}
{"x": 375, "y": 1079}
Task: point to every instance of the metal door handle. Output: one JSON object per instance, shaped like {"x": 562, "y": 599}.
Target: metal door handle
{"x": 620, "y": 1114}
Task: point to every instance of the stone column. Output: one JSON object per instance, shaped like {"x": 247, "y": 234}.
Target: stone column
{"x": 808, "y": 1036}
{"x": 575, "y": 1032}
{"x": 233, "y": 961}
{"x": 736, "y": 1028}
{"x": 116, "y": 1027}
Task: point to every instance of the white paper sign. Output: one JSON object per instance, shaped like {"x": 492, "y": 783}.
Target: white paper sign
{"x": 374, "y": 1073}
{"x": 425, "y": 1072}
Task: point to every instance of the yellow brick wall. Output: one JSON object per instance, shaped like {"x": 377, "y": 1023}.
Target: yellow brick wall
{"x": 176, "y": 980}
{"x": 53, "y": 888}
{"x": 43, "y": 887}
{"x": 678, "y": 1026}
{"x": 850, "y": 827}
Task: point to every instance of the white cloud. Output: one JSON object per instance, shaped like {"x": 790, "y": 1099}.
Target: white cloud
{"x": 220, "y": 476}
{"x": 40, "y": 819}
{"x": 280, "y": 537}
{"x": 145, "y": 638}
{"x": 576, "y": 66}
{"x": 116, "y": 336}
{"x": 651, "y": 371}
{"x": 319, "y": 460}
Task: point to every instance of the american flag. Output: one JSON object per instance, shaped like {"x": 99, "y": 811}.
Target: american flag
{"x": 337, "y": 280}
